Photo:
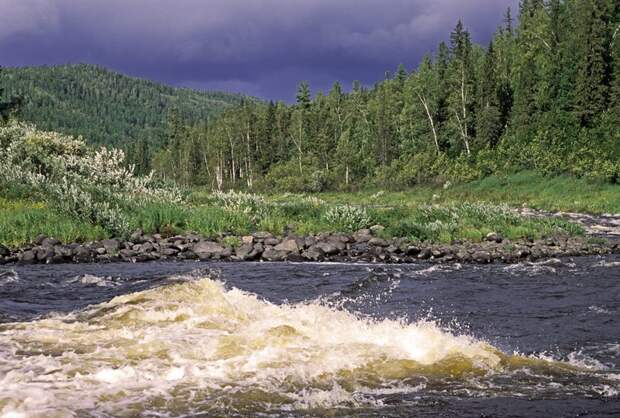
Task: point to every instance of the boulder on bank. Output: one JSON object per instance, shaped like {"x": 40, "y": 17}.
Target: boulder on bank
{"x": 288, "y": 246}
{"x": 210, "y": 250}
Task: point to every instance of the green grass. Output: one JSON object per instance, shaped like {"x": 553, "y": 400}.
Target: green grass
{"x": 534, "y": 190}
{"x": 21, "y": 221}
{"x": 567, "y": 194}
{"x": 439, "y": 215}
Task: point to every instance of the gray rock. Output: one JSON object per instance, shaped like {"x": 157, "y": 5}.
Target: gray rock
{"x": 288, "y": 245}
{"x": 314, "y": 253}
{"x": 44, "y": 253}
{"x": 4, "y": 251}
{"x": 127, "y": 254}
{"x": 271, "y": 254}
{"x": 377, "y": 229}
{"x": 425, "y": 254}
{"x": 271, "y": 241}
{"x": 82, "y": 254}
{"x": 412, "y": 250}
{"x": 27, "y": 257}
{"x": 378, "y": 242}
{"x": 262, "y": 235}
{"x": 243, "y": 251}
{"x": 111, "y": 245}
{"x": 328, "y": 248}
{"x": 55, "y": 259}
{"x": 339, "y": 237}
{"x": 463, "y": 255}
{"x": 188, "y": 255}
{"x": 147, "y": 247}
{"x": 392, "y": 249}
{"x": 179, "y": 245}
{"x": 363, "y": 235}
{"x": 482, "y": 257}
{"x": 359, "y": 249}
{"x": 39, "y": 239}
{"x": 438, "y": 252}
{"x": 137, "y": 237}
{"x": 494, "y": 237}
{"x": 168, "y": 251}
{"x": 309, "y": 241}
{"x": 338, "y": 244}
{"x": 208, "y": 249}
{"x": 192, "y": 237}
{"x": 50, "y": 242}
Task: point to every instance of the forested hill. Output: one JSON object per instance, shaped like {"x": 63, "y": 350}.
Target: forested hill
{"x": 104, "y": 106}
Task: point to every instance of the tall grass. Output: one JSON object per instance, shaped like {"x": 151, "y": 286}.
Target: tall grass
{"x": 22, "y": 221}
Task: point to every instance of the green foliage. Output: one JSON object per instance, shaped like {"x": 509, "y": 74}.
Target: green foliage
{"x": 103, "y": 106}
{"x": 542, "y": 96}
{"x": 94, "y": 186}
{"x": 164, "y": 218}
{"x": 21, "y": 221}
{"x": 468, "y": 221}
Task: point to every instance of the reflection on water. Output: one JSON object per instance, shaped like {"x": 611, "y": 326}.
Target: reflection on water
{"x": 345, "y": 340}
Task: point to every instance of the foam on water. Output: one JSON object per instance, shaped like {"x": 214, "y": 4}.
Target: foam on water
{"x": 195, "y": 344}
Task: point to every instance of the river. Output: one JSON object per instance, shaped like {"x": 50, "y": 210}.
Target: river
{"x": 286, "y": 339}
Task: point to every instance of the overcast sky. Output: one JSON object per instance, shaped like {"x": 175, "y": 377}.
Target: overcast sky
{"x": 259, "y": 47}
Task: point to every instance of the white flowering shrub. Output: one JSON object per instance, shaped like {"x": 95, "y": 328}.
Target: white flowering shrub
{"x": 347, "y": 218}
{"x": 93, "y": 185}
{"x": 377, "y": 195}
{"x": 481, "y": 212}
{"x": 238, "y": 201}
{"x": 313, "y": 201}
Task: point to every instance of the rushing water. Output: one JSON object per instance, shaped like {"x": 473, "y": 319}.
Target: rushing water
{"x": 174, "y": 339}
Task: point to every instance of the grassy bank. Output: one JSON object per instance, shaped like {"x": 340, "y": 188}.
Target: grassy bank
{"x": 438, "y": 215}
{"x": 22, "y": 220}
{"x": 567, "y": 194}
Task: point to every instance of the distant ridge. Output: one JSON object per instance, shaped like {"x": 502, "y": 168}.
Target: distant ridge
{"x": 104, "y": 106}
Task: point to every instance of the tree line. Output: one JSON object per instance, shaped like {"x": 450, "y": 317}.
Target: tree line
{"x": 543, "y": 95}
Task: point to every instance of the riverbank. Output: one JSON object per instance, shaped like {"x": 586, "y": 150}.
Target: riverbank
{"x": 448, "y": 223}
{"x": 434, "y": 214}
{"x": 365, "y": 245}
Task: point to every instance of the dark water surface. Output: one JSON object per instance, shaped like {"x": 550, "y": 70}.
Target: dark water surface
{"x": 523, "y": 340}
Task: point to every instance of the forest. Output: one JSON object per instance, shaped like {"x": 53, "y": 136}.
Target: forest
{"x": 543, "y": 95}
{"x": 105, "y": 107}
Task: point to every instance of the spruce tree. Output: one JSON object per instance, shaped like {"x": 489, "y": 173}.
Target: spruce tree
{"x": 10, "y": 107}
{"x": 591, "y": 86}
{"x": 488, "y": 116}
{"x": 303, "y": 95}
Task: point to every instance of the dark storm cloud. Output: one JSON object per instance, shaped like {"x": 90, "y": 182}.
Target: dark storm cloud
{"x": 261, "y": 47}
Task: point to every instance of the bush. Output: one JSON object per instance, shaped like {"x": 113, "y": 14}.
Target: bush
{"x": 95, "y": 186}
{"x": 347, "y": 218}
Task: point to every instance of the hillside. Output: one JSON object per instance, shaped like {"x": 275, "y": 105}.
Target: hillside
{"x": 104, "y": 106}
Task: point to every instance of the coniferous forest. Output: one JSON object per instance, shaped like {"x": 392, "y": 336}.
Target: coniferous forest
{"x": 105, "y": 107}
{"x": 543, "y": 95}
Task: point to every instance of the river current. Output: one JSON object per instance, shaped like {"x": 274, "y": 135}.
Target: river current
{"x": 286, "y": 339}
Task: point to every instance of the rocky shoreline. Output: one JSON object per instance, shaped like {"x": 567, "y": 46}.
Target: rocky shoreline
{"x": 363, "y": 246}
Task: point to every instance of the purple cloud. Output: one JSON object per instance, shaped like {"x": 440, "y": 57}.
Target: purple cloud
{"x": 261, "y": 47}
